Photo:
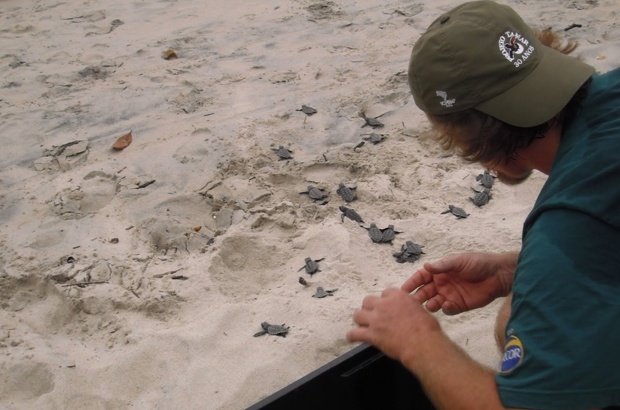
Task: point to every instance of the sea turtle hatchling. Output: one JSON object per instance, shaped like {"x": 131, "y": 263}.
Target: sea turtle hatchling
{"x": 311, "y": 266}
{"x": 388, "y": 234}
{"x": 321, "y": 293}
{"x": 375, "y": 233}
{"x": 350, "y": 213}
{"x": 374, "y": 138}
{"x": 409, "y": 252}
{"x": 283, "y": 153}
{"x": 307, "y": 110}
{"x": 481, "y": 197}
{"x": 486, "y": 179}
{"x": 316, "y": 194}
{"x": 276, "y": 330}
{"x": 372, "y": 122}
{"x": 413, "y": 248}
{"x": 456, "y": 211}
{"x": 346, "y": 192}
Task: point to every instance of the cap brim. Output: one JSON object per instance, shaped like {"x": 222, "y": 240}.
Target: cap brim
{"x": 542, "y": 94}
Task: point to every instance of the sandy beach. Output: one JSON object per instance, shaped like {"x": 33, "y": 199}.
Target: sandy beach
{"x": 136, "y": 278}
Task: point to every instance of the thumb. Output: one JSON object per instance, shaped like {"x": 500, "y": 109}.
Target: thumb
{"x": 435, "y": 267}
{"x": 442, "y": 265}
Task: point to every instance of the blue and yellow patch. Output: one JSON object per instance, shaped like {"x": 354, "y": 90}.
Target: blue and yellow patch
{"x": 513, "y": 354}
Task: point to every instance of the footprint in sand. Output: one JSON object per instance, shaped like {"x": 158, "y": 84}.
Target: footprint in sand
{"x": 94, "y": 194}
{"x": 63, "y": 157}
{"x": 245, "y": 265}
{"x": 25, "y": 381}
{"x": 172, "y": 235}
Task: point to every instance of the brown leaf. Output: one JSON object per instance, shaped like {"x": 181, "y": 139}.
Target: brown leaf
{"x": 169, "y": 55}
{"x": 197, "y": 228}
{"x": 123, "y": 142}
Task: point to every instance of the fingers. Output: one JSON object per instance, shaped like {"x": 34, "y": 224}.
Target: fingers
{"x": 441, "y": 266}
{"x": 389, "y": 291}
{"x": 435, "y": 303}
{"x": 369, "y": 302}
{"x": 360, "y": 317}
{"x": 450, "y": 308}
{"x": 425, "y": 293}
{"x": 419, "y": 278}
{"x": 425, "y": 275}
{"x": 454, "y": 262}
{"x": 359, "y": 334}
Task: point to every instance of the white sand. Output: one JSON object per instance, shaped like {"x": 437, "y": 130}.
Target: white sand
{"x": 203, "y": 128}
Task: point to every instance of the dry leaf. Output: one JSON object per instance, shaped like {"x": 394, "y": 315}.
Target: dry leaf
{"x": 123, "y": 142}
{"x": 197, "y": 228}
{"x": 601, "y": 57}
{"x": 169, "y": 55}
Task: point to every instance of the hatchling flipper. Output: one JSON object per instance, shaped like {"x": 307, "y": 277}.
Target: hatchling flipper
{"x": 374, "y": 138}
{"x": 456, "y": 211}
{"x": 321, "y": 293}
{"x": 376, "y": 235}
{"x": 311, "y": 266}
{"x": 481, "y": 197}
{"x": 316, "y": 194}
{"x": 370, "y": 121}
{"x": 486, "y": 179}
{"x": 350, "y": 213}
{"x": 307, "y": 110}
{"x": 276, "y": 330}
{"x": 409, "y": 252}
{"x": 388, "y": 234}
{"x": 283, "y": 153}
{"x": 346, "y": 193}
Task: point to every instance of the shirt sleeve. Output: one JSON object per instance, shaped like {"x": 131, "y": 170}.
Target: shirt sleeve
{"x": 563, "y": 336}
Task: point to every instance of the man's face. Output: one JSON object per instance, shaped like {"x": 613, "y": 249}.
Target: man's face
{"x": 510, "y": 171}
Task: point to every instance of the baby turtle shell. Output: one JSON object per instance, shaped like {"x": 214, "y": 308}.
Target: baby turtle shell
{"x": 481, "y": 197}
{"x": 321, "y": 293}
{"x": 486, "y": 179}
{"x": 388, "y": 234}
{"x": 350, "y": 213}
{"x": 375, "y": 233}
{"x": 409, "y": 252}
{"x": 307, "y": 110}
{"x": 456, "y": 211}
{"x": 316, "y": 194}
{"x": 346, "y": 192}
{"x": 283, "y": 153}
{"x": 370, "y": 121}
{"x": 374, "y": 138}
{"x": 276, "y": 330}
{"x": 413, "y": 248}
{"x": 311, "y": 266}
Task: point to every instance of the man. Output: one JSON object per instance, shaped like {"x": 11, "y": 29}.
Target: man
{"x": 499, "y": 97}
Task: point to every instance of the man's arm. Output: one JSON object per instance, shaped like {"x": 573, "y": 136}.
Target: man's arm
{"x": 451, "y": 379}
{"x": 401, "y": 327}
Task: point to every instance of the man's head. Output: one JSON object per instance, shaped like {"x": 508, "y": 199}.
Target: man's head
{"x": 482, "y": 55}
{"x": 492, "y": 87}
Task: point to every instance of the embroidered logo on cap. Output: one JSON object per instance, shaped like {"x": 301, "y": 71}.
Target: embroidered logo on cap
{"x": 516, "y": 48}
{"x": 513, "y": 354}
{"x": 445, "y": 103}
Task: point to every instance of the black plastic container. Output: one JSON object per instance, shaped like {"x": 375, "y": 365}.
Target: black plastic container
{"x": 363, "y": 378}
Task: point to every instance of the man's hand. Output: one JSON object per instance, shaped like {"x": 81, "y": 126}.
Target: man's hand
{"x": 392, "y": 322}
{"x": 462, "y": 282}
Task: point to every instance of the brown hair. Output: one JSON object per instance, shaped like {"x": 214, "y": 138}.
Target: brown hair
{"x": 478, "y": 137}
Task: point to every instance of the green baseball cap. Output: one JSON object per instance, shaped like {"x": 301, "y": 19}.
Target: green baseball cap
{"x": 482, "y": 55}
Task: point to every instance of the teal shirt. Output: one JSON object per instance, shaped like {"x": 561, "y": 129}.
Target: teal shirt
{"x": 563, "y": 336}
